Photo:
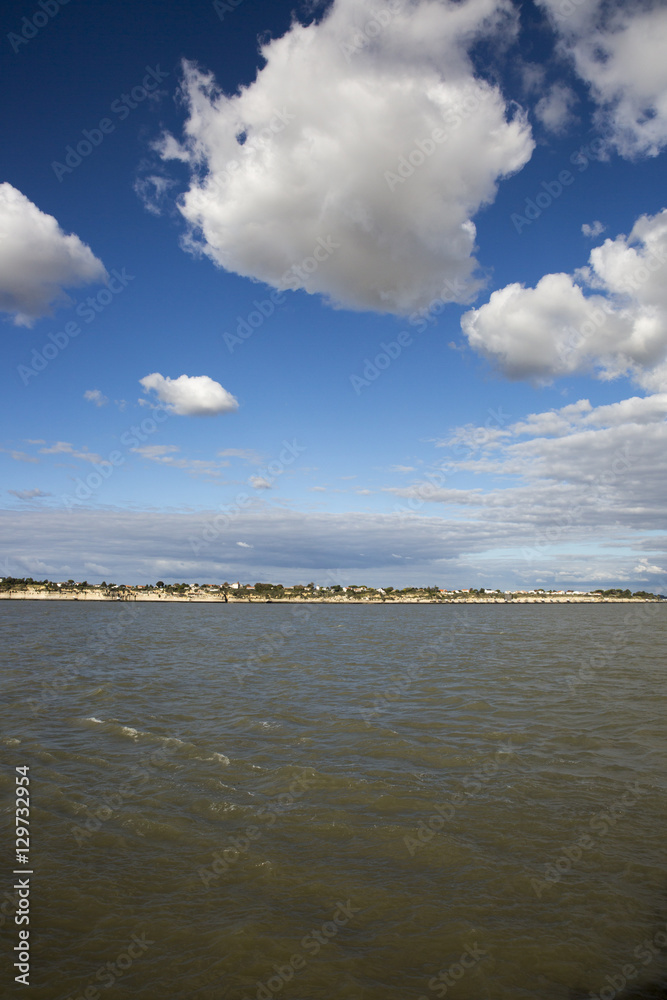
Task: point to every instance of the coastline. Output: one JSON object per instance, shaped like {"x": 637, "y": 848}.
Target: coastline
{"x": 154, "y": 598}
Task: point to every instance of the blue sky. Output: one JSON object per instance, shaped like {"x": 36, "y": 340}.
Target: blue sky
{"x": 443, "y": 378}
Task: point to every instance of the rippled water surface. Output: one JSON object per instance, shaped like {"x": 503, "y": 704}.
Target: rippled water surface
{"x": 368, "y": 803}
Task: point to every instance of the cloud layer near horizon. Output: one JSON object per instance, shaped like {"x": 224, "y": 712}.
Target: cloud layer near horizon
{"x": 332, "y": 146}
{"x": 572, "y": 495}
{"x": 38, "y": 261}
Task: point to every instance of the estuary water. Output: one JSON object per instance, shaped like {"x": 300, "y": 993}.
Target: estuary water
{"x": 231, "y": 802}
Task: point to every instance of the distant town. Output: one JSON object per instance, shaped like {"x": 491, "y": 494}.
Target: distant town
{"x": 25, "y": 588}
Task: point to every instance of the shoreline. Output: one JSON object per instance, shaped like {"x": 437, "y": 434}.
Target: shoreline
{"x": 135, "y": 598}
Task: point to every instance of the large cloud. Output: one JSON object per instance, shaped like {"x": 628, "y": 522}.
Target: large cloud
{"x": 190, "y": 395}
{"x": 38, "y": 260}
{"x": 619, "y": 50}
{"x": 619, "y": 327}
{"x": 324, "y": 173}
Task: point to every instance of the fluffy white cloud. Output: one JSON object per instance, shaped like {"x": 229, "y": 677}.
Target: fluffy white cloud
{"x": 190, "y": 395}
{"x": 619, "y": 50}
{"x": 355, "y": 162}
{"x": 620, "y": 327}
{"x": 38, "y": 261}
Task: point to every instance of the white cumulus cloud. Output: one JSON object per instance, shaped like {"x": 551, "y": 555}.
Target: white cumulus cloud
{"x": 618, "y": 327}
{"x": 354, "y": 164}
{"x": 190, "y": 395}
{"x": 38, "y": 261}
{"x": 619, "y": 50}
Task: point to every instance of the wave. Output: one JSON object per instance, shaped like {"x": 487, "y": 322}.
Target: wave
{"x": 116, "y": 728}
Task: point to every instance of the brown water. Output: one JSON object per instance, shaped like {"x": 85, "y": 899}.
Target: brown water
{"x": 392, "y": 793}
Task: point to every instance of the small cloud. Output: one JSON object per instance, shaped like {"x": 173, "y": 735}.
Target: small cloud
{"x": 156, "y": 452}
{"x": 34, "y": 441}
{"x": 645, "y": 567}
{"x": 318, "y": 489}
{"x": 364, "y": 493}
{"x": 121, "y": 404}
{"x": 20, "y": 456}
{"x": 29, "y": 494}
{"x": 65, "y": 448}
{"x": 593, "y": 230}
{"x": 165, "y": 454}
{"x": 554, "y": 110}
{"x": 244, "y": 545}
{"x": 96, "y": 397}
{"x": 152, "y": 192}
{"x": 259, "y": 483}
{"x": 246, "y": 454}
{"x": 401, "y": 468}
{"x": 189, "y": 395}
